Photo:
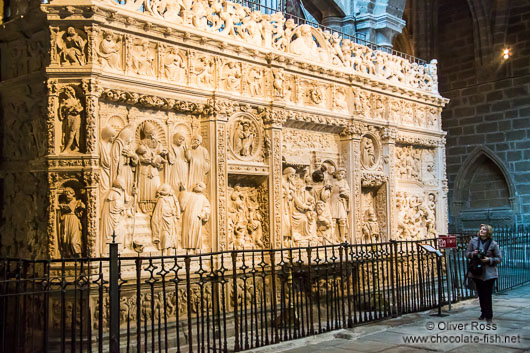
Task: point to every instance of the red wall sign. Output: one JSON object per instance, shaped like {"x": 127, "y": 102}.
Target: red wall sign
{"x": 447, "y": 242}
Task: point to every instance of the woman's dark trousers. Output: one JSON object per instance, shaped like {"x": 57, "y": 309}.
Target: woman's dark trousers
{"x": 484, "y": 291}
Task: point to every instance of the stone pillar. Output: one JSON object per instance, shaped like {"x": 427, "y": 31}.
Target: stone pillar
{"x": 350, "y": 145}
{"x": 213, "y": 129}
{"x": 273, "y": 121}
{"x": 443, "y": 188}
{"x": 388, "y": 137}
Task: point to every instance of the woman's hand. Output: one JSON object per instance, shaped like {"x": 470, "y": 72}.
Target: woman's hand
{"x": 486, "y": 259}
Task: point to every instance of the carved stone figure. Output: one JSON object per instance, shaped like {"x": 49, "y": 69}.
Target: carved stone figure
{"x": 70, "y": 114}
{"x": 105, "y": 144}
{"x": 178, "y": 159}
{"x": 232, "y": 76}
{"x": 151, "y": 157}
{"x": 174, "y": 66}
{"x": 204, "y": 68}
{"x": 254, "y": 82}
{"x": 112, "y": 213}
{"x": 164, "y": 220}
{"x": 199, "y": 162}
{"x": 302, "y": 212}
{"x": 71, "y": 47}
{"x": 324, "y": 223}
{"x": 142, "y": 60}
{"x": 288, "y": 187}
{"x": 196, "y": 212}
{"x": 70, "y": 213}
{"x": 368, "y": 157}
{"x": 244, "y": 138}
{"x": 123, "y": 158}
{"x": 305, "y": 44}
{"x": 370, "y": 229}
{"x": 109, "y": 51}
{"x": 340, "y": 200}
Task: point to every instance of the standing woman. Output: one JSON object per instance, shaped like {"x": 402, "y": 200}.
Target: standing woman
{"x": 485, "y": 249}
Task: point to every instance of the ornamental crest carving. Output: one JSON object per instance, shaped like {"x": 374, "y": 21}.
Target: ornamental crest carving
{"x": 246, "y": 139}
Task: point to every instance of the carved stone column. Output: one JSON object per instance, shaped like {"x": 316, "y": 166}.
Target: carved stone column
{"x": 53, "y": 102}
{"x": 442, "y": 210}
{"x": 350, "y": 146}
{"x": 213, "y": 129}
{"x": 91, "y": 181}
{"x": 90, "y": 89}
{"x": 389, "y": 136}
{"x": 273, "y": 121}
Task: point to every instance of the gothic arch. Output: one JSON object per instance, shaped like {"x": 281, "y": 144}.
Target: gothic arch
{"x": 481, "y": 156}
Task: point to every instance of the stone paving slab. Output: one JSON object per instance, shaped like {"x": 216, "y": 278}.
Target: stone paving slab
{"x": 454, "y": 333}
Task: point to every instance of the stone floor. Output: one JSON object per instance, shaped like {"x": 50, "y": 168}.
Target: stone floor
{"x": 460, "y": 331}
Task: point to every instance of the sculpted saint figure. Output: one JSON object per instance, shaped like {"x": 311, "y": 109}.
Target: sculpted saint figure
{"x": 367, "y": 152}
{"x": 151, "y": 158}
{"x": 340, "y": 197}
{"x": 204, "y": 71}
{"x": 302, "y": 217}
{"x": 179, "y": 159}
{"x": 244, "y": 139}
{"x": 288, "y": 186}
{"x": 304, "y": 44}
{"x": 196, "y": 212}
{"x": 70, "y": 114}
{"x": 123, "y": 159}
{"x": 199, "y": 162}
{"x": 164, "y": 220}
{"x": 255, "y": 229}
{"x": 72, "y": 47}
{"x": 112, "y": 213}
{"x": 70, "y": 228}
{"x": 370, "y": 229}
{"x": 173, "y": 65}
{"x": 105, "y": 144}
{"x": 109, "y": 51}
{"x": 232, "y": 76}
{"x": 142, "y": 59}
{"x": 324, "y": 223}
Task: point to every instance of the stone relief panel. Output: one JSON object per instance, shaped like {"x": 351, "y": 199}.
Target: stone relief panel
{"x": 247, "y": 140}
{"x": 203, "y": 70}
{"x": 141, "y": 57}
{"x": 303, "y": 147}
{"x": 374, "y": 214}
{"x": 247, "y": 217}
{"x": 174, "y": 64}
{"x": 156, "y": 170}
{"x": 416, "y": 215}
{"x": 370, "y": 152}
{"x": 69, "y": 46}
{"x": 408, "y": 163}
{"x": 109, "y": 50}
{"x": 315, "y": 206}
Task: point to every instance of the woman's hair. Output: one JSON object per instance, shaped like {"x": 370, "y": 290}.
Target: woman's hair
{"x": 488, "y": 228}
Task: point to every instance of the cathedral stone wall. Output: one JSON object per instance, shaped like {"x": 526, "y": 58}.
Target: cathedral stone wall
{"x": 179, "y": 126}
{"x": 488, "y": 117}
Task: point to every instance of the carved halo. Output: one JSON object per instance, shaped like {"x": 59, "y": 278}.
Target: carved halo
{"x": 160, "y": 134}
{"x": 117, "y": 122}
{"x": 367, "y": 161}
{"x": 246, "y": 139}
{"x": 183, "y": 129}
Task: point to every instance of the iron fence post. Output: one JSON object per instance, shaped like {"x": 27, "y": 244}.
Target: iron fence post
{"x": 393, "y": 277}
{"x": 234, "y": 299}
{"x": 114, "y": 295}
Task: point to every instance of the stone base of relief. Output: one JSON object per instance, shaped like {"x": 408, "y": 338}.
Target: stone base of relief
{"x": 173, "y": 130}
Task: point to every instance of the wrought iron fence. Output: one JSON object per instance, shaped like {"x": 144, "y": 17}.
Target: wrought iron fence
{"x": 227, "y": 301}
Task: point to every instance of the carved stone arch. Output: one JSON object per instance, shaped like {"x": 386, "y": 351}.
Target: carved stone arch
{"x": 464, "y": 212}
